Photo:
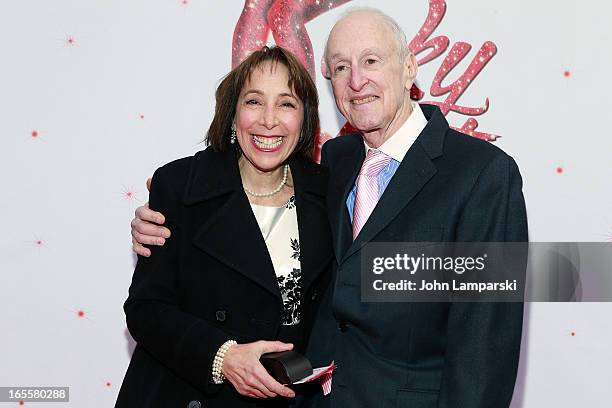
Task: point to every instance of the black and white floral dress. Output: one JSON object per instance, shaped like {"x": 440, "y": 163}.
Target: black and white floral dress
{"x": 279, "y": 228}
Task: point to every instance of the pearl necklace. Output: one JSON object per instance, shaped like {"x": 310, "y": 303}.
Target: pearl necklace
{"x": 276, "y": 190}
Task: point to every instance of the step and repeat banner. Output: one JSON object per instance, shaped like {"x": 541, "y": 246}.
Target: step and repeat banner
{"x": 96, "y": 94}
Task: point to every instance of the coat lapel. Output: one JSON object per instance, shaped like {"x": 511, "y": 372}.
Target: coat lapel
{"x": 223, "y": 210}
{"x": 346, "y": 168}
{"x": 310, "y": 184}
{"x": 415, "y": 170}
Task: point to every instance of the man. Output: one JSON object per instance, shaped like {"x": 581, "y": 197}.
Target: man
{"x": 406, "y": 177}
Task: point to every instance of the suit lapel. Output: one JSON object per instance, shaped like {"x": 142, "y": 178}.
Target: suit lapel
{"x": 407, "y": 181}
{"x": 415, "y": 170}
{"x": 216, "y": 187}
{"x": 345, "y": 170}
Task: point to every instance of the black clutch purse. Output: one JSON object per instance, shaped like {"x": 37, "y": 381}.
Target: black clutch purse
{"x": 286, "y": 367}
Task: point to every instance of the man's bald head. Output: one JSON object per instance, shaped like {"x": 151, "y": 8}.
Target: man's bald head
{"x": 398, "y": 35}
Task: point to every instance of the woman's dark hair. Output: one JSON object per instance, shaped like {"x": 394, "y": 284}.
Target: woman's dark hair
{"x": 231, "y": 85}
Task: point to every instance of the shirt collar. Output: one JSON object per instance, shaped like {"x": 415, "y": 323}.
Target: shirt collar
{"x": 398, "y": 144}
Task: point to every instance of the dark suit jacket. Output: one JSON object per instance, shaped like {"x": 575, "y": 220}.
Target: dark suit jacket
{"x": 449, "y": 187}
{"x": 213, "y": 280}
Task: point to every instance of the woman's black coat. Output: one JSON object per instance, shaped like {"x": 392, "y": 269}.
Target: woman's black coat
{"x": 213, "y": 280}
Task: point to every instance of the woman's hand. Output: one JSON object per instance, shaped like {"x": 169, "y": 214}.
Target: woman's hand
{"x": 242, "y": 368}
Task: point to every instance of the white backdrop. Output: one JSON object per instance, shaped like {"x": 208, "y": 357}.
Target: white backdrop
{"x": 94, "y": 95}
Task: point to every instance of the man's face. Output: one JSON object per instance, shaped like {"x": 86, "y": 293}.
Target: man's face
{"x": 371, "y": 84}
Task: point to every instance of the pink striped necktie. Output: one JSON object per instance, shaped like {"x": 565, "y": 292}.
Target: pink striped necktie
{"x": 366, "y": 196}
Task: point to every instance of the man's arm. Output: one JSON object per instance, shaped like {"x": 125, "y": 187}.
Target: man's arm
{"x": 147, "y": 228}
{"x": 484, "y": 338}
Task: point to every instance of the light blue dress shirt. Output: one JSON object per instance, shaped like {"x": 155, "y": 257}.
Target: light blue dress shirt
{"x": 396, "y": 148}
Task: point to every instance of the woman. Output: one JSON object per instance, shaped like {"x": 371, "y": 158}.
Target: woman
{"x": 249, "y": 251}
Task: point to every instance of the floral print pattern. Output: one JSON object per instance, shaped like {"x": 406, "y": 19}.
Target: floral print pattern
{"x": 279, "y": 229}
{"x": 291, "y": 290}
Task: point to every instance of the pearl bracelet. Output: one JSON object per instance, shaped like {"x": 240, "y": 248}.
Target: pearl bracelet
{"x": 217, "y": 375}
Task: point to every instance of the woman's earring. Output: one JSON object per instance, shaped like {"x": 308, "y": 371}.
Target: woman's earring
{"x": 233, "y": 137}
